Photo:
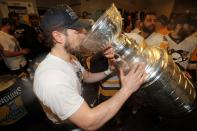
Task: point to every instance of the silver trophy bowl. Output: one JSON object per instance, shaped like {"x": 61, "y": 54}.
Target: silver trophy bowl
{"x": 166, "y": 89}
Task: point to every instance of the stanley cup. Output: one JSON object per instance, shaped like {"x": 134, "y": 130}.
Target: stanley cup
{"x": 166, "y": 89}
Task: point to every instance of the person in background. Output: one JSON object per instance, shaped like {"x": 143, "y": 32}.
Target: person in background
{"x": 57, "y": 81}
{"x": 181, "y": 44}
{"x": 161, "y": 25}
{"x": 145, "y": 36}
{"x": 36, "y": 33}
{"x": 148, "y": 24}
{"x": 20, "y": 27}
{"x": 12, "y": 53}
{"x": 193, "y": 58}
{"x": 192, "y": 66}
{"x": 138, "y": 27}
{"x": 157, "y": 39}
{"x": 34, "y": 21}
{"x": 26, "y": 35}
{"x": 171, "y": 24}
{"x": 161, "y": 28}
{"x": 128, "y": 24}
{"x": 148, "y": 32}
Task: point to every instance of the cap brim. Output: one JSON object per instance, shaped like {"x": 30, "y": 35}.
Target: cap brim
{"x": 82, "y": 23}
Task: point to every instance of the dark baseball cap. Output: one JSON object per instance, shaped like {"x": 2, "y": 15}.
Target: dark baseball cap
{"x": 62, "y": 16}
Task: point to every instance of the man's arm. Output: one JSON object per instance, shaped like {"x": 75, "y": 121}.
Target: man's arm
{"x": 89, "y": 77}
{"x": 8, "y": 53}
{"x": 93, "y": 77}
{"x": 93, "y": 118}
{"x": 13, "y": 53}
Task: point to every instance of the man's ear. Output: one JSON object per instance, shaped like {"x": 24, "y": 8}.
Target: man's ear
{"x": 58, "y": 37}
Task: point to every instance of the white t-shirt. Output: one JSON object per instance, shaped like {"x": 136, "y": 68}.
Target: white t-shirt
{"x": 58, "y": 87}
{"x": 136, "y": 30}
{"x": 135, "y": 36}
{"x": 10, "y": 43}
{"x": 155, "y": 39}
{"x": 181, "y": 52}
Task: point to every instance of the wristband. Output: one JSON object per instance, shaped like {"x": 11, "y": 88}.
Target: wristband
{"x": 107, "y": 72}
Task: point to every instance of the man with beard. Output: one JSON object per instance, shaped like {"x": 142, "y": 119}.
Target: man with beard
{"x": 152, "y": 38}
{"x": 148, "y": 24}
{"x": 147, "y": 36}
{"x": 11, "y": 52}
{"x": 148, "y": 27}
{"x": 57, "y": 81}
{"x": 180, "y": 44}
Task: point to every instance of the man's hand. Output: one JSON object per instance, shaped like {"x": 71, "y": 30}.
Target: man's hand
{"x": 133, "y": 80}
{"x": 109, "y": 52}
{"x": 93, "y": 118}
{"x": 185, "y": 73}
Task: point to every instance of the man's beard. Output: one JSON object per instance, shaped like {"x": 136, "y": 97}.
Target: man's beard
{"x": 71, "y": 50}
{"x": 148, "y": 29}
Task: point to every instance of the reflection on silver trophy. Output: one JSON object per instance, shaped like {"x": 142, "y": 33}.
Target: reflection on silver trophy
{"x": 166, "y": 88}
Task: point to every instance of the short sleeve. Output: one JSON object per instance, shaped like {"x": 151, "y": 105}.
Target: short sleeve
{"x": 60, "y": 94}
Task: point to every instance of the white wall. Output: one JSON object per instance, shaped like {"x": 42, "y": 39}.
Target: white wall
{"x": 29, "y": 4}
